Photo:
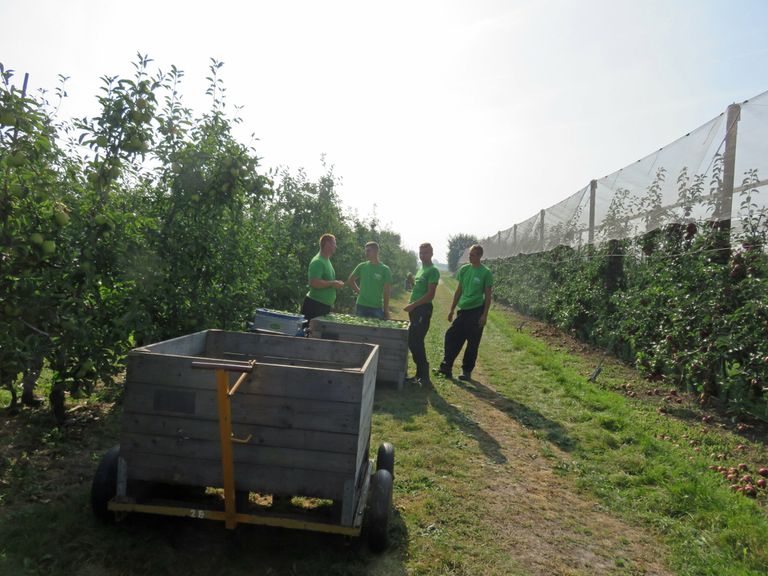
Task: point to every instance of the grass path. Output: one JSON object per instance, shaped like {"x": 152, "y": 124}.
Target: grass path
{"x": 491, "y": 500}
{"x": 563, "y": 476}
{"x": 527, "y": 470}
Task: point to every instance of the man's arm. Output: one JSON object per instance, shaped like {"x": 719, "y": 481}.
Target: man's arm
{"x": 486, "y": 306}
{"x": 428, "y": 297}
{"x": 320, "y": 283}
{"x": 352, "y": 281}
{"x": 456, "y": 296}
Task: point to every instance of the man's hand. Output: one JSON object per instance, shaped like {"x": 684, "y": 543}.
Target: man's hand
{"x": 338, "y": 284}
{"x": 408, "y": 308}
{"x": 450, "y": 316}
{"x": 483, "y": 320}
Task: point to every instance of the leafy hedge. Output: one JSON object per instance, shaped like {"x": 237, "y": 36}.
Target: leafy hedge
{"x": 679, "y": 302}
{"x": 147, "y": 222}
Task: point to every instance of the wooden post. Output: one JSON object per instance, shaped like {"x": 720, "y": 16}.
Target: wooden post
{"x": 729, "y": 167}
{"x": 592, "y": 194}
{"x": 541, "y": 231}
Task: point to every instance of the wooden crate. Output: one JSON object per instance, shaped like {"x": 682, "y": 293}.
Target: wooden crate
{"x": 392, "y": 342}
{"x": 307, "y": 406}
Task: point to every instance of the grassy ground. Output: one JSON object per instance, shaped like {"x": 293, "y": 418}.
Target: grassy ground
{"x": 528, "y": 469}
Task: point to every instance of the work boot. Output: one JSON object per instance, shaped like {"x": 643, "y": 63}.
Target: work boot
{"x": 422, "y": 373}
{"x": 465, "y": 376}
{"x": 444, "y": 370}
{"x": 31, "y": 400}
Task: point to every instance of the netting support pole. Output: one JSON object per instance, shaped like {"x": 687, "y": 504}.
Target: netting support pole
{"x": 729, "y": 167}
{"x": 592, "y": 194}
{"x": 541, "y": 232}
{"x": 514, "y": 239}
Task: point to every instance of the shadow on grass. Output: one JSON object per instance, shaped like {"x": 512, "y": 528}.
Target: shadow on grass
{"x": 552, "y": 431}
{"x": 403, "y": 405}
{"x": 63, "y": 538}
{"x": 488, "y": 444}
{"x": 413, "y": 400}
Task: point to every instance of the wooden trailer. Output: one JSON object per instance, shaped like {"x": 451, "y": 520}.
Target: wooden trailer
{"x": 247, "y": 412}
{"x": 392, "y": 342}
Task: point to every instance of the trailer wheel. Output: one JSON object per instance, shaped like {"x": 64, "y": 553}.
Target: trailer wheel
{"x": 104, "y": 486}
{"x": 385, "y": 458}
{"x": 380, "y": 508}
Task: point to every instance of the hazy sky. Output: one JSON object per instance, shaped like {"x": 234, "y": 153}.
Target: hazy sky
{"x": 449, "y": 117}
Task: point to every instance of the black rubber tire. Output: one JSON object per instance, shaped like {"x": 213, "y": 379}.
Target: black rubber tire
{"x": 379, "y": 510}
{"x": 385, "y": 458}
{"x": 104, "y": 486}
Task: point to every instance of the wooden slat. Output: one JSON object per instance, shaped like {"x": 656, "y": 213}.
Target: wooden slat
{"x": 267, "y": 380}
{"x": 189, "y": 345}
{"x": 393, "y": 352}
{"x": 180, "y": 428}
{"x": 251, "y": 454}
{"x": 263, "y": 479}
{"x": 366, "y": 415}
{"x": 272, "y": 411}
{"x": 286, "y": 346}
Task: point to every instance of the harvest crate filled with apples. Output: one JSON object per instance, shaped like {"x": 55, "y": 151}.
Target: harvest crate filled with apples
{"x": 390, "y": 335}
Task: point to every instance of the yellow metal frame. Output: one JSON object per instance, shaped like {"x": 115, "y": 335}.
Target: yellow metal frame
{"x": 230, "y": 515}
{"x": 202, "y": 514}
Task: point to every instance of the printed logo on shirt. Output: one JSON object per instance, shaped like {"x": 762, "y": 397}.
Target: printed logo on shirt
{"x": 377, "y": 276}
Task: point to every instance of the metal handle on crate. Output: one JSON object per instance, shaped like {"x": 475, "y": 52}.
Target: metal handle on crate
{"x": 242, "y": 440}
{"x": 227, "y": 367}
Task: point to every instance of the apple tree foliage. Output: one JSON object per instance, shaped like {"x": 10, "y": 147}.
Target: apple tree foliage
{"x": 147, "y": 222}
{"x": 687, "y": 303}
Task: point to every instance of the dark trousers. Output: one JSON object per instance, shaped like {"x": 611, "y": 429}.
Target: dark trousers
{"x": 368, "y": 312}
{"x": 417, "y": 331}
{"x": 465, "y": 328}
{"x": 312, "y": 308}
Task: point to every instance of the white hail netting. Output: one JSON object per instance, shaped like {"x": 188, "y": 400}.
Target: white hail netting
{"x": 679, "y": 183}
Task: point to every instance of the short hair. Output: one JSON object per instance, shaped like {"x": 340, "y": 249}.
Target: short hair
{"x": 325, "y": 238}
{"x": 476, "y": 247}
{"x": 425, "y": 245}
{"x": 372, "y": 245}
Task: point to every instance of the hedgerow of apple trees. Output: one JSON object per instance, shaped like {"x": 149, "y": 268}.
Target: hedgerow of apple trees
{"x": 147, "y": 222}
{"x": 684, "y": 303}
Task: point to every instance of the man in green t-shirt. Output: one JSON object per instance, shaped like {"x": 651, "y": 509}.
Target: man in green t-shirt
{"x": 322, "y": 280}
{"x": 473, "y": 296}
{"x": 420, "y": 312}
{"x": 371, "y": 281}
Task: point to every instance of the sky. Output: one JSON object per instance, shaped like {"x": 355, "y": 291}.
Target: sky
{"x": 440, "y": 117}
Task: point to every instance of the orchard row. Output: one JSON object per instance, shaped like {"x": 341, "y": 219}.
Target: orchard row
{"x": 147, "y": 222}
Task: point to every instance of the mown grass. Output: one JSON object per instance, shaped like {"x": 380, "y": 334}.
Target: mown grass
{"x": 599, "y": 442}
{"x": 614, "y": 451}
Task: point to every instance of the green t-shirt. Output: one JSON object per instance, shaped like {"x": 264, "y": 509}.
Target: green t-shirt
{"x": 371, "y": 279}
{"x": 322, "y": 268}
{"x": 424, "y": 277}
{"x": 473, "y": 282}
